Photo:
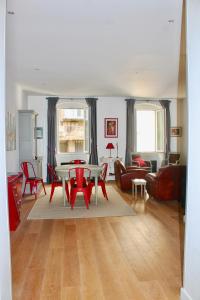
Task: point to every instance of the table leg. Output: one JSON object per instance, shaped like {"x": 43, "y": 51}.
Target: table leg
{"x": 64, "y": 195}
{"x": 96, "y": 189}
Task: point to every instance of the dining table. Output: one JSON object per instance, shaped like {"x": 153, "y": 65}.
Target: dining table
{"x": 62, "y": 171}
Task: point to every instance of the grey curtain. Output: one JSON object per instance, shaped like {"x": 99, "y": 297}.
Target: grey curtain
{"x": 130, "y": 129}
{"x": 166, "y": 105}
{"x": 92, "y": 103}
{"x": 51, "y": 145}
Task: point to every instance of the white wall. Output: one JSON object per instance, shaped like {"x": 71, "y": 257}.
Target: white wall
{"x": 39, "y": 105}
{"x": 191, "y": 287}
{"x": 107, "y": 107}
{"x": 5, "y": 267}
{"x": 15, "y": 100}
{"x": 111, "y": 107}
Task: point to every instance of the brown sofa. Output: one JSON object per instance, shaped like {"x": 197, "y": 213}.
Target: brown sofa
{"x": 123, "y": 175}
{"x": 167, "y": 183}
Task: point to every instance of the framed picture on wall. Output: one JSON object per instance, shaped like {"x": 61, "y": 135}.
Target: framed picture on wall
{"x": 111, "y": 127}
{"x": 175, "y": 131}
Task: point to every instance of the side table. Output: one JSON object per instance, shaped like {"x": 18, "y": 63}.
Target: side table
{"x": 138, "y": 182}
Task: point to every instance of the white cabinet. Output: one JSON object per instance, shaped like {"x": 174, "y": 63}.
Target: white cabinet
{"x": 27, "y": 142}
{"x": 26, "y": 135}
{"x": 110, "y": 161}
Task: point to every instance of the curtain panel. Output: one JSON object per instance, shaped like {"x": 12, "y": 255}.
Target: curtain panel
{"x": 51, "y": 144}
{"x": 166, "y": 106}
{"x": 92, "y": 104}
{"x": 130, "y": 129}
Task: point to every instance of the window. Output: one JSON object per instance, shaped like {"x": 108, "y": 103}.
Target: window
{"x": 73, "y": 131}
{"x": 149, "y": 129}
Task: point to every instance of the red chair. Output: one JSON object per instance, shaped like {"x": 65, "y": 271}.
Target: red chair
{"x": 30, "y": 177}
{"x": 55, "y": 182}
{"x": 79, "y": 184}
{"x": 101, "y": 181}
{"x": 78, "y": 162}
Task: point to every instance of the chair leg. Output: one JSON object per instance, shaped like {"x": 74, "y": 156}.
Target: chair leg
{"x": 31, "y": 187}
{"x": 103, "y": 187}
{"x": 43, "y": 186}
{"x": 67, "y": 191}
{"x": 72, "y": 198}
{"x": 52, "y": 192}
{"x": 87, "y": 197}
{"x": 24, "y": 189}
{"x": 35, "y": 189}
{"x": 90, "y": 190}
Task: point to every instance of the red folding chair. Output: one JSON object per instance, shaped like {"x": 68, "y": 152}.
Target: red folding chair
{"x": 79, "y": 184}
{"x": 30, "y": 177}
{"x": 101, "y": 181}
{"x": 55, "y": 182}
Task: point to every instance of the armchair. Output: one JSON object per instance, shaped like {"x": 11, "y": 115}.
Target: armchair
{"x": 167, "y": 183}
{"x": 124, "y": 175}
{"x": 174, "y": 158}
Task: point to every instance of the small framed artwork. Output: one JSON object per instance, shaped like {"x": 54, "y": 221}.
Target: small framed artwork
{"x": 38, "y": 132}
{"x": 111, "y": 127}
{"x": 175, "y": 131}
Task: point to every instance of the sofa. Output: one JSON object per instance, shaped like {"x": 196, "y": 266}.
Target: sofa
{"x": 167, "y": 183}
{"x": 124, "y": 175}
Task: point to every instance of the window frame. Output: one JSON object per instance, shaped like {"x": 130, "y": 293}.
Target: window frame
{"x": 150, "y": 107}
{"x": 72, "y": 104}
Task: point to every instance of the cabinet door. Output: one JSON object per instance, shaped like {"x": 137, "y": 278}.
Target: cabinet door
{"x": 26, "y": 136}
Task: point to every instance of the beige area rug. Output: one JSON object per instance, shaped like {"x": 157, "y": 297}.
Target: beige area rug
{"x": 115, "y": 206}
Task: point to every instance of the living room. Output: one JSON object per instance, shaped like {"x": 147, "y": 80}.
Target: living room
{"x": 31, "y": 95}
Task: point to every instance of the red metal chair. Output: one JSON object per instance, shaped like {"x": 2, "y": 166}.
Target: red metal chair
{"x": 101, "y": 181}
{"x": 79, "y": 184}
{"x": 78, "y": 161}
{"x": 74, "y": 162}
{"x": 30, "y": 177}
{"x": 55, "y": 182}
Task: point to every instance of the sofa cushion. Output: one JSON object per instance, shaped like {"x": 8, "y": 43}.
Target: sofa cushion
{"x": 141, "y": 161}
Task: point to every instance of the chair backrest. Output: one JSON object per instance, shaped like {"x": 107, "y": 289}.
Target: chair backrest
{"x": 27, "y": 168}
{"x": 78, "y": 161}
{"x": 104, "y": 171}
{"x": 80, "y": 175}
{"x": 52, "y": 173}
{"x": 173, "y": 158}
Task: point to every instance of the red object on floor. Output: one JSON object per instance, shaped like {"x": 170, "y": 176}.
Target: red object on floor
{"x": 27, "y": 167}
{"x": 55, "y": 182}
{"x": 79, "y": 184}
{"x": 101, "y": 181}
{"x": 14, "y": 199}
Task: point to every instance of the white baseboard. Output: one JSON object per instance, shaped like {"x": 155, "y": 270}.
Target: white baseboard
{"x": 185, "y": 295}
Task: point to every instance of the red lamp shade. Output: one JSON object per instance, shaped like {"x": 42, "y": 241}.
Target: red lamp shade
{"x": 110, "y": 146}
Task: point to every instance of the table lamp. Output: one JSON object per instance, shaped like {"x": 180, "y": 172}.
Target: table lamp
{"x": 110, "y": 146}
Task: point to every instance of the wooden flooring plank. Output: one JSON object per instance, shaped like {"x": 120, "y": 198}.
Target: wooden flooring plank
{"x": 132, "y": 257}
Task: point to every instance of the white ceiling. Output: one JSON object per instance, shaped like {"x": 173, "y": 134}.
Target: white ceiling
{"x": 95, "y": 47}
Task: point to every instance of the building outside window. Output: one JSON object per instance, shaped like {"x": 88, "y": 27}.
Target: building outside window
{"x": 72, "y": 129}
{"x": 150, "y": 128}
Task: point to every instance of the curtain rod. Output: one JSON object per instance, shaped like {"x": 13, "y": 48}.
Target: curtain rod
{"x": 150, "y": 98}
{"x": 135, "y": 98}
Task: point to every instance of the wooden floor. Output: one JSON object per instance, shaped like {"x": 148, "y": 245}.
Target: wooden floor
{"x": 134, "y": 257}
